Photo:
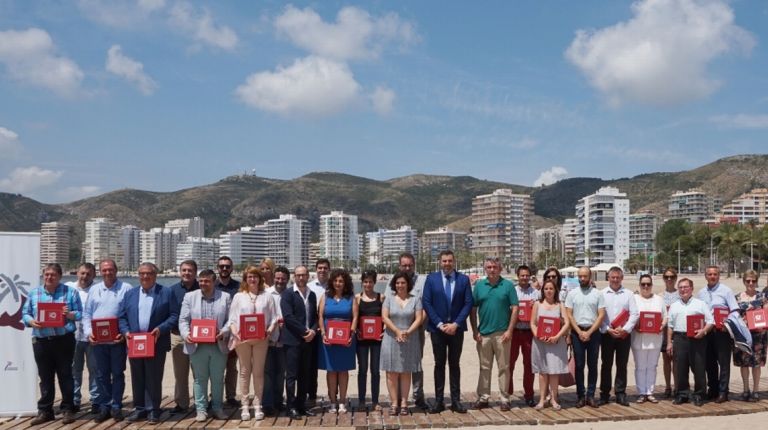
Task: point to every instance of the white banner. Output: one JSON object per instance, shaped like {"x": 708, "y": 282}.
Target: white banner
{"x": 19, "y": 273}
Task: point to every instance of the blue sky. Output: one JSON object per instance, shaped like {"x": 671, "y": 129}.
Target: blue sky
{"x": 164, "y": 95}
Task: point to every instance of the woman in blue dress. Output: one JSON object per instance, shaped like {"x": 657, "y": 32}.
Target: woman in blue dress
{"x": 339, "y": 304}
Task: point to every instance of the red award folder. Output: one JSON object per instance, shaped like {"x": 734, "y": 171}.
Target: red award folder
{"x": 337, "y": 332}
{"x": 757, "y": 319}
{"x": 253, "y": 326}
{"x": 203, "y": 331}
{"x": 370, "y": 328}
{"x": 104, "y": 329}
{"x": 50, "y": 314}
{"x": 720, "y": 313}
{"x": 547, "y": 327}
{"x": 524, "y": 311}
{"x": 650, "y": 322}
{"x": 141, "y": 345}
{"x": 695, "y": 323}
{"x": 620, "y": 319}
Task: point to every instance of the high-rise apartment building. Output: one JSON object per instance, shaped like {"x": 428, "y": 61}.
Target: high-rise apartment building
{"x": 288, "y": 241}
{"x": 693, "y": 205}
{"x": 748, "y": 207}
{"x": 204, "y": 250}
{"x": 339, "y": 239}
{"x": 54, "y": 243}
{"x": 188, "y": 227}
{"x": 246, "y": 245}
{"x": 130, "y": 242}
{"x": 643, "y": 227}
{"x": 603, "y": 229}
{"x": 158, "y": 246}
{"x": 101, "y": 241}
{"x": 387, "y": 245}
{"x": 549, "y": 240}
{"x": 502, "y": 226}
{"x": 442, "y": 239}
{"x": 569, "y": 236}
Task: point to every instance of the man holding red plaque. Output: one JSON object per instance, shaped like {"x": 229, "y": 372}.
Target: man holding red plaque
{"x": 522, "y": 339}
{"x": 495, "y": 301}
{"x": 620, "y": 318}
{"x": 719, "y": 342}
{"x": 103, "y": 302}
{"x": 688, "y": 352}
{"x": 54, "y": 347}
{"x": 151, "y": 312}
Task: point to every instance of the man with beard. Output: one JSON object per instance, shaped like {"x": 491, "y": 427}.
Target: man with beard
{"x": 224, "y": 282}
{"x": 274, "y": 368}
{"x": 318, "y": 286}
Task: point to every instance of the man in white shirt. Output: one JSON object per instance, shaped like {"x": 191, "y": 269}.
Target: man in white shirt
{"x": 83, "y": 351}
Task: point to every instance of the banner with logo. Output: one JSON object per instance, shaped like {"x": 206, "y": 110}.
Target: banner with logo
{"x": 19, "y": 273}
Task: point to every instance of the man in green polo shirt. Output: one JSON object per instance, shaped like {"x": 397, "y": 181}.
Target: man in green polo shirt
{"x": 496, "y": 304}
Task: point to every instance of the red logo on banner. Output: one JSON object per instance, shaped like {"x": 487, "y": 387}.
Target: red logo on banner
{"x": 13, "y": 294}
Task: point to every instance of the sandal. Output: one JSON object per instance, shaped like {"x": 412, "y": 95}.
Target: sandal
{"x": 342, "y": 408}
{"x": 404, "y": 410}
{"x": 393, "y": 410}
{"x": 642, "y": 399}
{"x": 651, "y": 399}
{"x": 556, "y": 406}
{"x": 539, "y": 406}
{"x": 376, "y": 407}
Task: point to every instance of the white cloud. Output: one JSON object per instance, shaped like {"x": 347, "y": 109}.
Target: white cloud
{"x": 9, "y": 142}
{"x": 25, "y": 179}
{"x": 71, "y": 194}
{"x": 354, "y": 35}
{"x": 29, "y": 57}
{"x": 383, "y": 99}
{"x": 741, "y": 121}
{"x": 129, "y": 69}
{"x": 550, "y": 176}
{"x": 200, "y": 26}
{"x": 311, "y": 86}
{"x": 659, "y": 56}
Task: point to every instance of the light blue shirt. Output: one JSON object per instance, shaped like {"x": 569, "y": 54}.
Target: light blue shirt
{"x": 146, "y": 299}
{"x": 453, "y": 282}
{"x": 103, "y": 302}
{"x": 719, "y": 295}
{"x": 679, "y": 311}
{"x": 585, "y": 302}
{"x": 83, "y": 292}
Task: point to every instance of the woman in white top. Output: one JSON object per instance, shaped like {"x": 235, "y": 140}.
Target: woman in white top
{"x": 646, "y": 347}
{"x": 252, "y": 299}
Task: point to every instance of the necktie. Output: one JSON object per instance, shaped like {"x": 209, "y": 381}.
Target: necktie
{"x": 448, "y": 287}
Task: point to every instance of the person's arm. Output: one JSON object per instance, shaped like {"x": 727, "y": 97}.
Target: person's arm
{"x": 353, "y": 326}
{"x": 634, "y": 315}
{"x": 417, "y": 315}
{"x": 273, "y": 316}
{"x": 225, "y": 331}
{"x": 428, "y": 306}
{"x": 534, "y": 318}
{"x": 289, "y": 317}
{"x": 122, "y": 316}
{"x": 564, "y": 328}
{"x": 234, "y": 316}
{"x": 473, "y": 324}
{"x": 468, "y": 302}
{"x": 75, "y": 305}
{"x": 185, "y": 318}
{"x": 88, "y": 315}
{"x": 320, "y": 319}
{"x": 173, "y": 313}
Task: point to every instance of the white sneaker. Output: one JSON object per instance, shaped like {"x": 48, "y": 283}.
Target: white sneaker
{"x": 245, "y": 415}
{"x": 342, "y": 408}
{"x": 201, "y": 416}
{"x": 258, "y": 415}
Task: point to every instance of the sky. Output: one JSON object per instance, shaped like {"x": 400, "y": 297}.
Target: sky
{"x": 163, "y": 95}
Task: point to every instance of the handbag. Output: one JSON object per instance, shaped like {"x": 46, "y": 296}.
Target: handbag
{"x": 569, "y": 379}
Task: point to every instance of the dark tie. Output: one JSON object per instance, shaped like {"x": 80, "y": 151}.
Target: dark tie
{"x": 448, "y": 287}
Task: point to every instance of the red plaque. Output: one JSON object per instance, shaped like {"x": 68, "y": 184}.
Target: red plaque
{"x": 524, "y": 310}
{"x": 203, "y": 331}
{"x": 337, "y": 332}
{"x": 547, "y": 327}
{"x": 757, "y": 319}
{"x": 695, "y": 323}
{"x": 650, "y": 322}
{"x": 50, "y": 314}
{"x": 104, "y": 329}
{"x": 721, "y": 314}
{"x": 253, "y": 326}
{"x": 141, "y": 345}
{"x": 370, "y": 328}
{"x": 620, "y": 319}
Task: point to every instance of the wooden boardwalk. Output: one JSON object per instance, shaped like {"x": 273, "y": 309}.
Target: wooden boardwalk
{"x": 519, "y": 415}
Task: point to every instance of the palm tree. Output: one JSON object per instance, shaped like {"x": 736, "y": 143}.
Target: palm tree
{"x": 731, "y": 239}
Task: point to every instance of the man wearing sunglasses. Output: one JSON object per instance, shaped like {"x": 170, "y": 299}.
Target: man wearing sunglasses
{"x": 225, "y": 283}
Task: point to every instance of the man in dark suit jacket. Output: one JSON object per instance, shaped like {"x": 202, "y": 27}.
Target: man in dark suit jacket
{"x": 447, "y": 300}
{"x": 299, "y": 307}
{"x": 152, "y": 308}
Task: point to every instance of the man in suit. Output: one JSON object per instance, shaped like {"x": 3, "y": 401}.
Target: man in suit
{"x": 149, "y": 309}
{"x": 447, "y": 299}
{"x": 299, "y": 308}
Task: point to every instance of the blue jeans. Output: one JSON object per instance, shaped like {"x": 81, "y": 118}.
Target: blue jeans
{"x": 84, "y": 355}
{"x": 208, "y": 364}
{"x": 274, "y": 378}
{"x": 110, "y": 365}
{"x": 586, "y": 352}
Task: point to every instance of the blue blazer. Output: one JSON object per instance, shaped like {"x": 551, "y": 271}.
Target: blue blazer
{"x": 164, "y": 315}
{"x": 295, "y": 316}
{"x": 436, "y": 304}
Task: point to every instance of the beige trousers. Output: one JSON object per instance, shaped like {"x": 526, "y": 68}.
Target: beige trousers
{"x": 252, "y": 356}
{"x": 181, "y": 369}
{"x": 490, "y": 347}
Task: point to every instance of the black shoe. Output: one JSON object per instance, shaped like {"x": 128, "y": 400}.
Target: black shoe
{"x": 697, "y": 401}
{"x": 421, "y": 404}
{"x": 680, "y": 400}
{"x": 604, "y": 400}
{"x": 530, "y": 402}
{"x": 439, "y": 407}
{"x": 76, "y": 408}
{"x": 581, "y": 403}
{"x": 117, "y": 414}
{"x": 136, "y": 416}
{"x": 179, "y": 410}
{"x": 102, "y": 416}
{"x": 308, "y": 413}
{"x": 458, "y": 408}
{"x": 153, "y": 419}
{"x": 69, "y": 417}
{"x": 722, "y": 398}
{"x": 712, "y": 395}
{"x": 42, "y": 417}
{"x": 294, "y": 414}
{"x": 269, "y": 411}
{"x": 591, "y": 402}
{"x": 234, "y": 403}
{"x": 95, "y": 409}
{"x": 622, "y": 399}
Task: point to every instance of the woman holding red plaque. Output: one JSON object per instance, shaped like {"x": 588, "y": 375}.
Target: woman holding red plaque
{"x": 549, "y": 354}
{"x": 369, "y": 305}
{"x": 748, "y": 300}
{"x": 647, "y": 338}
{"x": 337, "y": 308}
{"x": 251, "y": 350}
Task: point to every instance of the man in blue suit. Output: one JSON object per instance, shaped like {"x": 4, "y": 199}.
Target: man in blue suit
{"x": 447, "y": 300}
{"x": 152, "y": 308}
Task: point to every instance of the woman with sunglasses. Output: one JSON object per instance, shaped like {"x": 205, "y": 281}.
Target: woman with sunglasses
{"x": 750, "y": 299}
{"x": 670, "y": 296}
{"x": 646, "y": 346}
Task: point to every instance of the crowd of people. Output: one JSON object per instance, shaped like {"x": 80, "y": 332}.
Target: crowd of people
{"x": 266, "y": 339}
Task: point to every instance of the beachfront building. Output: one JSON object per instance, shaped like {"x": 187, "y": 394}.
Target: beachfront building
{"x": 748, "y": 207}
{"x": 204, "y": 250}
{"x": 442, "y": 239}
{"x": 54, "y": 243}
{"x": 188, "y": 227}
{"x": 385, "y": 245}
{"x": 288, "y": 241}
{"x": 245, "y": 245}
{"x": 603, "y": 229}
{"x": 693, "y": 205}
{"x": 339, "y": 239}
{"x": 643, "y": 227}
{"x": 549, "y": 244}
{"x": 130, "y": 243}
{"x": 314, "y": 252}
{"x": 502, "y": 226}
{"x": 101, "y": 241}
{"x": 570, "y": 236}
{"x": 158, "y": 246}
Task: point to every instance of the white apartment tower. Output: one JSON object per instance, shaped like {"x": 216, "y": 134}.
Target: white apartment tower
{"x": 339, "y": 239}
{"x": 130, "y": 243}
{"x": 569, "y": 236}
{"x": 188, "y": 227}
{"x": 603, "y": 229}
{"x": 550, "y": 241}
{"x": 288, "y": 241}
{"x": 101, "y": 241}
{"x": 643, "y": 227}
{"x": 248, "y": 244}
{"x": 158, "y": 246}
{"x": 748, "y": 207}
{"x": 387, "y": 245}
{"x": 502, "y": 226}
{"x": 693, "y": 205}
{"x": 54, "y": 243}
{"x": 442, "y": 239}
{"x": 205, "y": 251}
